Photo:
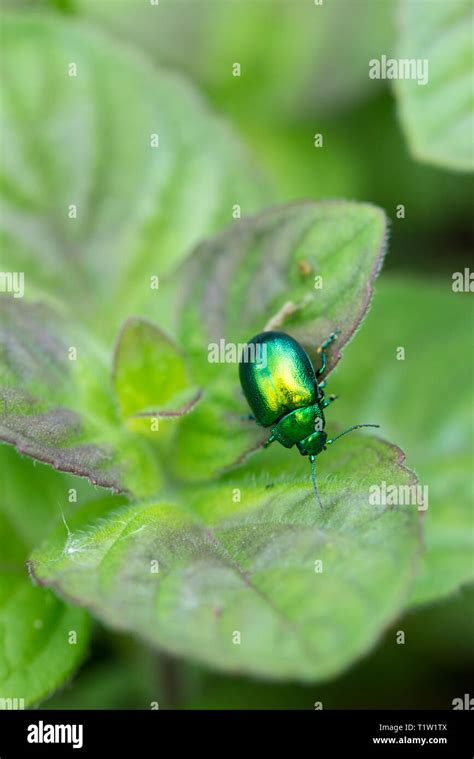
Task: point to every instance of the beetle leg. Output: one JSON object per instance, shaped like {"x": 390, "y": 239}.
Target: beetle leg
{"x": 322, "y": 384}
{"x": 323, "y": 362}
{"x": 322, "y": 351}
{"x": 313, "y": 477}
{"x": 327, "y": 401}
{"x": 269, "y": 441}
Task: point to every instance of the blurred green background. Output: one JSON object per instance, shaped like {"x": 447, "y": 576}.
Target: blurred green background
{"x": 299, "y": 77}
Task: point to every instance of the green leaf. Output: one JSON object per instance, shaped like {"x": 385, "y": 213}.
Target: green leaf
{"x": 150, "y": 373}
{"x": 139, "y": 208}
{"x": 438, "y": 116}
{"x": 307, "y": 268}
{"x": 62, "y": 412}
{"x": 240, "y": 557}
{"x": 425, "y": 403}
{"x": 36, "y": 392}
{"x": 37, "y": 652}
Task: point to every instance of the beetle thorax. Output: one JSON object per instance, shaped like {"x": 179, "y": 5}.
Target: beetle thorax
{"x": 298, "y": 425}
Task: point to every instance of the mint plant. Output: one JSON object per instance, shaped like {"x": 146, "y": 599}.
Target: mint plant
{"x": 164, "y": 517}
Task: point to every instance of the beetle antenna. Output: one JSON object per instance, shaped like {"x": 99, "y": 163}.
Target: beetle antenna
{"x": 313, "y": 477}
{"x": 355, "y": 427}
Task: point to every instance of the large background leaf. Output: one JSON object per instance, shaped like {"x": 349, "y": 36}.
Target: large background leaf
{"x": 425, "y": 401}
{"x": 287, "y": 58}
{"x": 139, "y": 208}
{"x": 438, "y": 117}
{"x": 249, "y": 566}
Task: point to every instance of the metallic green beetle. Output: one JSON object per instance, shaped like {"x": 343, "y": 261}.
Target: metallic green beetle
{"x": 284, "y": 392}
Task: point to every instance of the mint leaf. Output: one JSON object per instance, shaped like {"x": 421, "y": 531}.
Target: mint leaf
{"x": 306, "y": 268}
{"x": 241, "y": 557}
{"x": 438, "y": 116}
{"x": 150, "y": 373}
{"x": 36, "y": 391}
{"x": 143, "y": 166}
{"x": 43, "y": 641}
